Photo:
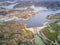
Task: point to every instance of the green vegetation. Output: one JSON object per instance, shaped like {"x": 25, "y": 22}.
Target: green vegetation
{"x": 1, "y": 36}
{"x": 38, "y": 40}
{"x": 24, "y": 43}
{"x": 52, "y": 31}
{"x": 50, "y": 35}
{"x": 55, "y": 26}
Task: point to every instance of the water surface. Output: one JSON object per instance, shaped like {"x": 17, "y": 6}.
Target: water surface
{"x": 39, "y": 19}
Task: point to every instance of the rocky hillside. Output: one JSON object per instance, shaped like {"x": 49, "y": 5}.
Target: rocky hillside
{"x": 20, "y": 14}
{"x": 14, "y": 33}
{"x": 56, "y": 16}
{"x": 50, "y": 4}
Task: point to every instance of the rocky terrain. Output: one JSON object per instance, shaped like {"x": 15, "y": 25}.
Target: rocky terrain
{"x": 49, "y": 5}
{"x": 54, "y": 5}
{"x": 14, "y": 33}
{"x": 56, "y": 16}
{"x": 5, "y": 3}
{"x": 20, "y": 14}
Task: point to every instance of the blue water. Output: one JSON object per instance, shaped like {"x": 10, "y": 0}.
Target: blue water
{"x": 39, "y": 19}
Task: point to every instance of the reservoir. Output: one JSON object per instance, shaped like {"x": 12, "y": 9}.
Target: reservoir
{"x": 39, "y": 19}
